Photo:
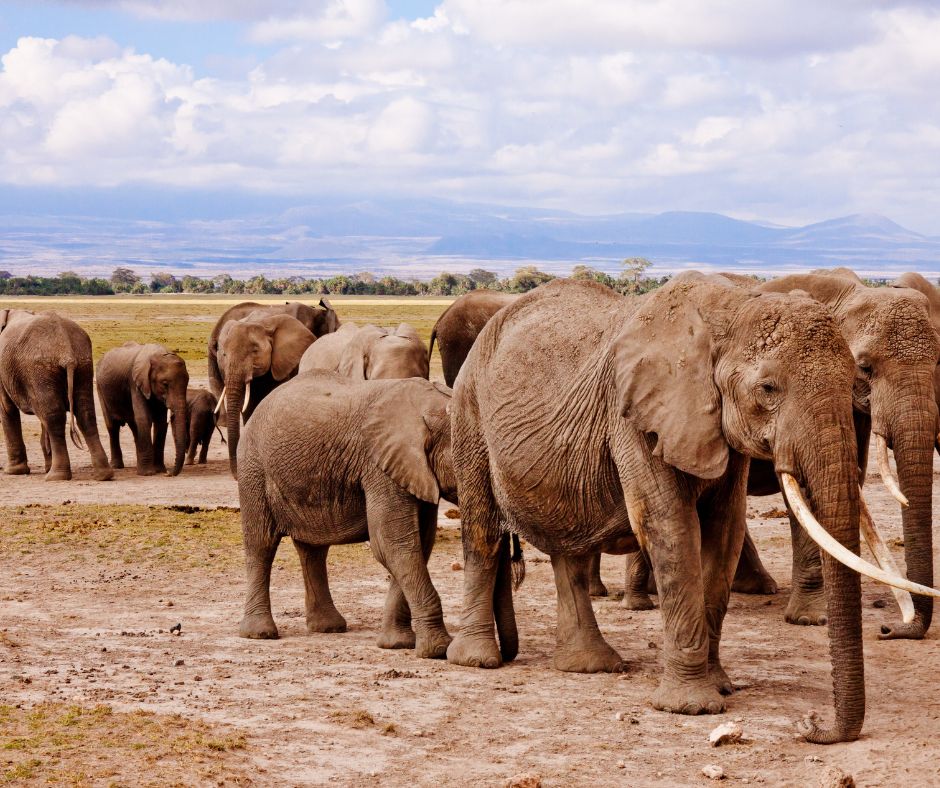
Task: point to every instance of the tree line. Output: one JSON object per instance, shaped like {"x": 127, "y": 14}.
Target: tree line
{"x": 631, "y": 280}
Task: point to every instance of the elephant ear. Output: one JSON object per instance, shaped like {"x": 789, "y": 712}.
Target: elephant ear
{"x": 140, "y": 373}
{"x": 354, "y": 362}
{"x": 330, "y": 318}
{"x": 289, "y": 339}
{"x": 664, "y": 375}
{"x": 4, "y": 317}
{"x": 397, "y": 437}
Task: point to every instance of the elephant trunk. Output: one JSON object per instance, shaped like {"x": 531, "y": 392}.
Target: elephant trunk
{"x": 234, "y": 403}
{"x": 179, "y": 422}
{"x": 912, "y": 432}
{"x": 828, "y": 471}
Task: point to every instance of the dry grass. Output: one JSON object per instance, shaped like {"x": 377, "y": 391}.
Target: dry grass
{"x": 60, "y": 744}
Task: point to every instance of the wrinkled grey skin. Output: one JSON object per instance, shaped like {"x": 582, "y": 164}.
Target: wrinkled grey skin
{"x": 460, "y": 324}
{"x": 137, "y": 386}
{"x": 318, "y": 320}
{"x": 369, "y": 353}
{"x": 327, "y": 460}
{"x": 202, "y": 423}
{"x": 46, "y": 369}
{"x": 652, "y": 407}
{"x": 263, "y": 350}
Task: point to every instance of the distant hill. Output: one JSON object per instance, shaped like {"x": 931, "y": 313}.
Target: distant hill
{"x": 422, "y": 237}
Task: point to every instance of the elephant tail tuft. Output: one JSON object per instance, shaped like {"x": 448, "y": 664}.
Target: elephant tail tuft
{"x": 518, "y": 563}
{"x": 73, "y": 433}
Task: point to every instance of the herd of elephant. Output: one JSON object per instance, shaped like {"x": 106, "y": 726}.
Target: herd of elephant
{"x": 574, "y": 418}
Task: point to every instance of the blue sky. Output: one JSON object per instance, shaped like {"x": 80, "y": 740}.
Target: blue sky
{"x": 784, "y": 110}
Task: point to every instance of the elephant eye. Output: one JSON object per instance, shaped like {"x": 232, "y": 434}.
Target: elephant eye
{"x": 768, "y": 386}
{"x": 864, "y": 366}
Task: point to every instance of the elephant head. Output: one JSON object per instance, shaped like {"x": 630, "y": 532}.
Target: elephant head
{"x": 895, "y": 348}
{"x": 407, "y": 435}
{"x": 704, "y": 368}
{"x": 375, "y": 353}
{"x": 264, "y": 350}
{"x": 162, "y": 375}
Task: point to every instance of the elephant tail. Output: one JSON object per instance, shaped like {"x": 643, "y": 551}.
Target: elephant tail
{"x": 518, "y": 563}
{"x": 70, "y": 381}
{"x": 431, "y": 345}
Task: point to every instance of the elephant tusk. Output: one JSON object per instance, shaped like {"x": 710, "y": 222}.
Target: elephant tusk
{"x": 883, "y": 557}
{"x": 221, "y": 404}
{"x": 887, "y": 475}
{"x": 247, "y": 396}
{"x": 839, "y": 551}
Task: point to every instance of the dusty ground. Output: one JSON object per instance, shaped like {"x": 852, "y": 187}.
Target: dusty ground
{"x": 89, "y": 591}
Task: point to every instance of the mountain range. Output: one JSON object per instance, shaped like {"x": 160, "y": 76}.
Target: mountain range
{"x": 420, "y": 238}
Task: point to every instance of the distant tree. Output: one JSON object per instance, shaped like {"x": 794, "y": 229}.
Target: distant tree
{"x": 164, "y": 282}
{"x": 196, "y": 284}
{"x": 633, "y": 270}
{"x": 587, "y": 274}
{"x": 123, "y": 279}
{"x": 527, "y": 278}
{"x": 481, "y": 277}
{"x": 5, "y": 275}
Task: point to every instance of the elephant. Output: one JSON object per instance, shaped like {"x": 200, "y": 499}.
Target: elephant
{"x": 635, "y": 427}
{"x": 46, "y": 369}
{"x": 460, "y": 324}
{"x": 319, "y": 320}
{"x": 329, "y": 460}
{"x": 201, "y": 405}
{"x": 255, "y": 355}
{"x": 369, "y": 353}
{"x": 896, "y": 349}
{"x": 137, "y": 385}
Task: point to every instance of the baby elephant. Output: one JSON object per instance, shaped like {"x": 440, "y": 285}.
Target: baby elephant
{"x": 328, "y": 460}
{"x": 137, "y": 384}
{"x": 202, "y": 421}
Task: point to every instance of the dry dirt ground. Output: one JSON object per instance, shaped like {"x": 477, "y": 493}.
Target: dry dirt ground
{"x": 94, "y": 689}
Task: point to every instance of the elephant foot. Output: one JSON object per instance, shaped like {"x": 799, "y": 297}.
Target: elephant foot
{"x": 259, "y": 626}
{"x": 597, "y": 587}
{"x": 190, "y": 460}
{"x": 326, "y": 622}
{"x": 160, "y": 469}
{"x": 59, "y": 475}
{"x": 720, "y": 680}
{"x": 103, "y": 474}
{"x": 433, "y": 644}
{"x": 478, "y": 652}
{"x": 202, "y": 460}
{"x": 588, "y": 655}
{"x": 807, "y": 608}
{"x": 118, "y": 465}
{"x": 17, "y": 469}
{"x": 754, "y": 583}
{"x": 901, "y": 631}
{"x": 688, "y": 698}
{"x": 397, "y": 637}
{"x": 146, "y": 471}
{"x": 633, "y": 600}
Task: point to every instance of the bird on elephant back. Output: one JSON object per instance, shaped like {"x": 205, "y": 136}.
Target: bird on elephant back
{"x": 139, "y": 385}
{"x": 253, "y": 349}
{"x": 369, "y": 353}
{"x": 635, "y": 427}
{"x": 46, "y": 369}
{"x": 330, "y": 460}
{"x": 892, "y": 334}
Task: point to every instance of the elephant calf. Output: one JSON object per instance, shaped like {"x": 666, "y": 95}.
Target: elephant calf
{"x": 201, "y": 405}
{"x": 136, "y": 385}
{"x": 329, "y": 460}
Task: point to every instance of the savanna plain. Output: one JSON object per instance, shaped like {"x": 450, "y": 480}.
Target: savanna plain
{"x": 97, "y": 690}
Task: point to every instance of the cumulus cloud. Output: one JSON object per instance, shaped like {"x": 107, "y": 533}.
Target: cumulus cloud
{"x": 782, "y": 109}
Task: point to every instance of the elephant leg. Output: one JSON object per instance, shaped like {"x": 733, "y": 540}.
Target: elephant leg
{"x": 637, "y": 577}
{"x": 395, "y": 536}
{"x": 724, "y": 523}
{"x": 596, "y": 586}
{"x": 143, "y": 440}
{"x": 192, "y": 446}
{"x": 114, "y": 438}
{"x": 159, "y": 438}
{"x": 261, "y": 543}
{"x": 17, "y": 464}
{"x": 322, "y": 615}
{"x": 579, "y": 645}
{"x": 54, "y": 428}
{"x": 807, "y": 605}
{"x": 673, "y": 543}
{"x": 204, "y": 451}
{"x": 83, "y": 405}
{"x": 46, "y": 446}
{"x": 751, "y": 577}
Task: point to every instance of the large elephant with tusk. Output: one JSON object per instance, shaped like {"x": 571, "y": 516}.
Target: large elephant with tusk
{"x": 255, "y": 355}
{"x": 636, "y": 426}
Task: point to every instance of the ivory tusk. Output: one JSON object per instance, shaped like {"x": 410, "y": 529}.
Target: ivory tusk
{"x": 883, "y": 557}
{"x": 218, "y": 408}
{"x": 839, "y": 551}
{"x": 887, "y": 475}
{"x": 247, "y": 396}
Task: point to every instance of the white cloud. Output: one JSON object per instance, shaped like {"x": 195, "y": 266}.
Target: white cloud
{"x": 781, "y": 108}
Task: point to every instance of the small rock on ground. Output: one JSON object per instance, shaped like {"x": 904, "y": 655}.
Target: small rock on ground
{"x": 726, "y": 733}
{"x": 834, "y": 777}
{"x": 524, "y": 781}
{"x": 713, "y": 772}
